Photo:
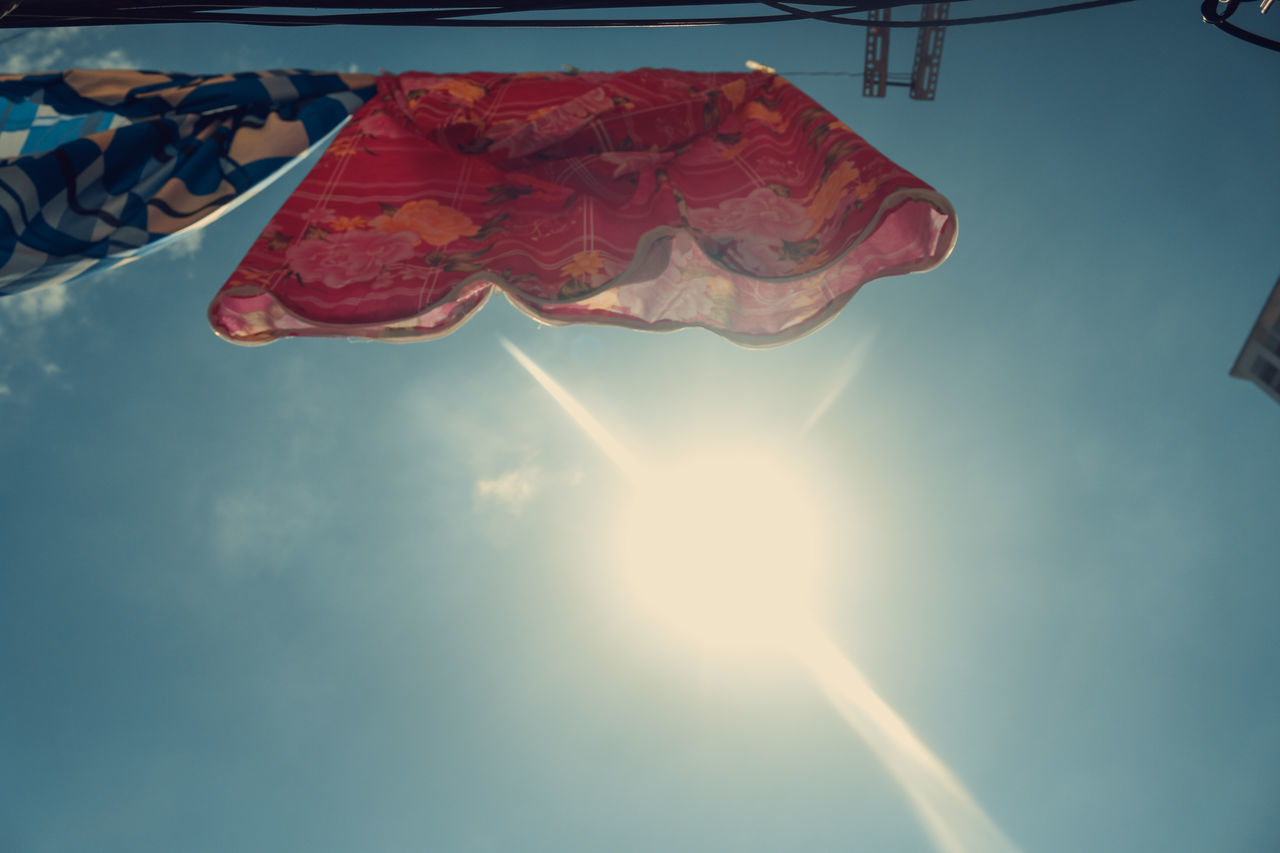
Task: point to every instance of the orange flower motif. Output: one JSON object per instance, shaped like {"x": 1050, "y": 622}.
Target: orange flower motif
{"x": 460, "y": 89}
{"x": 430, "y": 221}
{"x": 256, "y": 276}
{"x": 735, "y": 92}
{"x": 584, "y": 266}
{"x": 343, "y": 146}
{"x": 346, "y": 223}
{"x": 541, "y": 111}
{"x": 728, "y": 152}
{"x": 757, "y": 111}
{"x": 718, "y": 287}
{"x": 830, "y": 194}
{"x": 865, "y": 190}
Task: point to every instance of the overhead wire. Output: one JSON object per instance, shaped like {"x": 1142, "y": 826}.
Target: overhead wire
{"x": 24, "y": 14}
{"x": 1212, "y": 15}
{"x": 835, "y": 17}
{"x": 473, "y": 14}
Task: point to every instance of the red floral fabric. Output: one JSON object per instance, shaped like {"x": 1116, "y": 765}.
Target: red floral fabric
{"x": 654, "y": 199}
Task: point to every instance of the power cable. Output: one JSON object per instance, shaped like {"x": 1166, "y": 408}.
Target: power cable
{"x": 1209, "y": 11}
{"x": 835, "y": 17}
{"x": 469, "y": 14}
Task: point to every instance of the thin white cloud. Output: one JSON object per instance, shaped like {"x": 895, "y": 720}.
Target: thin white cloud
{"x": 259, "y": 529}
{"x": 38, "y": 50}
{"x": 23, "y": 315}
{"x": 186, "y": 245}
{"x": 37, "y": 304}
{"x": 510, "y": 490}
{"x": 508, "y": 461}
{"x": 23, "y": 340}
{"x": 513, "y": 489}
{"x": 5, "y": 391}
{"x": 59, "y": 48}
{"x": 114, "y": 58}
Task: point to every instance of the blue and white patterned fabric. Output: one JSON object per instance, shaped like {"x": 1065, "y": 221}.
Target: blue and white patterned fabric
{"x": 100, "y": 167}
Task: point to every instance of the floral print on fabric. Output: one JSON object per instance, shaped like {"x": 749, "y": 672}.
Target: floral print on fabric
{"x": 349, "y": 257}
{"x": 429, "y": 221}
{"x": 654, "y": 199}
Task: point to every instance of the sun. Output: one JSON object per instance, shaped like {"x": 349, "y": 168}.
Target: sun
{"x": 724, "y": 548}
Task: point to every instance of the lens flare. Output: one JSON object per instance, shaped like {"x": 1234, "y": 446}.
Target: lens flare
{"x": 724, "y": 548}
{"x": 584, "y": 419}
{"x": 950, "y": 814}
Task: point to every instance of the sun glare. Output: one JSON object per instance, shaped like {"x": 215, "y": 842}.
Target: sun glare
{"x": 723, "y": 548}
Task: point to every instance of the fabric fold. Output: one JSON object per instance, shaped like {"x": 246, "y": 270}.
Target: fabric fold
{"x": 99, "y": 167}
{"x": 653, "y": 199}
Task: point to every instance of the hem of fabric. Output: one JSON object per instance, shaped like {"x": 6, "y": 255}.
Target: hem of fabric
{"x": 348, "y": 331}
{"x": 668, "y": 232}
{"x": 946, "y": 240}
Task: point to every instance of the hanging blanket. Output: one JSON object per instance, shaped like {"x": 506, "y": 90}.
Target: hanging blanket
{"x": 654, "y": 199}
{"x": 98, "y": 167}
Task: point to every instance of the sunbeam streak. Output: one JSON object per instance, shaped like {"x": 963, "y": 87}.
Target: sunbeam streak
{"x": 595, "y": 430}
{"x": 950, "y": 814}
{"x": 953, "y": 818}
{"x": 848, "y": 370}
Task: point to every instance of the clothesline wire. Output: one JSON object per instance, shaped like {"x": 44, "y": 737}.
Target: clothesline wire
{"x": 1216, "y": 13}
{"x": 470, "y": 13}
{"x": 459, "y": 7}
{"x": 834, "y": 17}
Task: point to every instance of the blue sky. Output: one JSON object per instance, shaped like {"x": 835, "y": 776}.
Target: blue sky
{"x": 329, "y": 596}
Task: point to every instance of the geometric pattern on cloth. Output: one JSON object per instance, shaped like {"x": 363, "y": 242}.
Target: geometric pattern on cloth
{"x": 654, "y": 199}
{"x": 98, "y": 167}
